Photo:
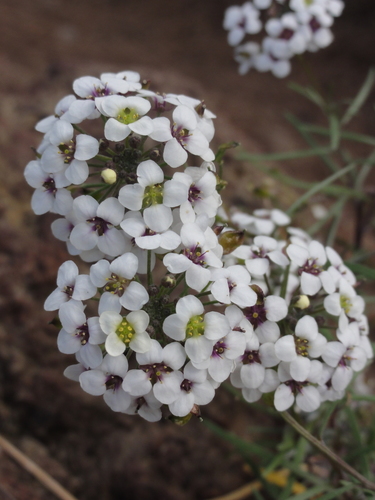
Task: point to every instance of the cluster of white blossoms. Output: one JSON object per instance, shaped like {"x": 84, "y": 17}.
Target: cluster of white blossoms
{"x": 176, "y": 300}
{"x": 279, "y": 29}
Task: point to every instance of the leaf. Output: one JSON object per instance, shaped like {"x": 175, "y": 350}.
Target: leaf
{"x": 309, "y": 494}
{"x": 334, "y": 128}
{"x": 361, "y": 270}
{"x": 244, "y": 447}
{"x": 326, "y": 415}
{"x": 310, "y": 94}
{"x": 287, "y": 155}
{"x": 318, "y": 186}
{"x": 333, "y": 495}
{"x": 360, "y": 98}
{"x": 352, "y": 136}
{"x": 331, "y": 164}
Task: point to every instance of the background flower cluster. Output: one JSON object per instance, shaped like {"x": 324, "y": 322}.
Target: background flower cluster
{"x": 278, "y": 30}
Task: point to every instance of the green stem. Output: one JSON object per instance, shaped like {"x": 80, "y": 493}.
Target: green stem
{"x": 327, "y": 451}
{"x": 79, "y": 129}
{"x": 149, "y": 272}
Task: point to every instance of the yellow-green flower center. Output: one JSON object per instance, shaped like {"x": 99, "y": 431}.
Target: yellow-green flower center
{"x": 116, "y": 285}
{"x": 345, "y": 303}
{"x": 153, "y": 195}
{"x": 127, "y": 115}
{"x": 125, "y": 331}
{"x": 195, "y": 327}
{"x": 302, "y": 346}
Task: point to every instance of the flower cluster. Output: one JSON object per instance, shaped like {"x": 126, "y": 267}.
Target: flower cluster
{"x": 282, "y": 28}
{"x": 177, "y": 300}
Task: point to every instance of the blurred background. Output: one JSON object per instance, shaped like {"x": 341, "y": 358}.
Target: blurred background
{"x": 181, "y": 47}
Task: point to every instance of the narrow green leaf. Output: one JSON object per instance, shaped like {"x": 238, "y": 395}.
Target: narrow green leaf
{"x": 360, "y": 98}
{"x": 310, "y": 94}
{"x": 360, "y": 451}
{"x": 331, "y": 164}
{"x": 334, "y": 495}
{"x": 357, "y": 437}
{"x": 361, "y": 270}
{"x": 325, "y": 416}
{"x": 318, "y": 187}
{"x": 336, "y": 221}
{"x": 287, "y": 155}
{"x": 309, "y": 494}
{"x": 334, "y": 190}
{"x": 334, "y": 129}
{"x": 288, "y": 488}
{"x": 352, "y": 136}
{"x": 244, "y": 447}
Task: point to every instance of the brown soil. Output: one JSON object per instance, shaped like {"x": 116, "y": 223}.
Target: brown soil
{"x": 181, "y": 47}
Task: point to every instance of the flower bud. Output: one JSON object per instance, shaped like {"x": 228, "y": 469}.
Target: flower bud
{"x": 119, "y": 147}
{"x": 155, "y": 155}
{"x": 153, "y": 290}
{"x": 109, "y": 176}
{"x": 301, "y": 302}
{"x": 103, "y": 144}
{"x": 230, "y": 240}
{"x": 134, "y": 141}
{"x": 169, "y": 281}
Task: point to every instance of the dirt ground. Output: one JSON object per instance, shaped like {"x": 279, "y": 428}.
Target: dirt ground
{"x": 181, "y": 47}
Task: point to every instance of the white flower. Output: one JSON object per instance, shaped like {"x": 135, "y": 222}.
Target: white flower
{"x": 259, "y": 256}
{"x": 203, "y": 197}
{"x": 154, "y": 197}
{"x": 107, "y": 380}
{"x": 182, "y": 137}
{"x": 231, "y": 285}
{"x": 290, "y": 37}
{"x": 90, "y": 88}
{"x": 80, "y": 334}
{"x": 345, "y": 356}
{"x": 194, "y": 389}
{"x": 126, "y": 115}
{"x": 96, "y": 225}
{"x": 197, "y": 254}
{"x": 147, "y": 239}
{"x": 158, "y": 371}
{"x": 305, "y": 395}
{"x": 273, "y": 308}
{"x": 297, "y": 349}
{"x": 224, "y": 353}
{"x": 146, "y": 406}
{"x": 61, "y": 113}
{"x": 198, "y": 329}
{"x": 69, "y": 154}
{"x": 241, "y": 20}
{"x": 119, "y": 289}
{"x": 346, "y": 299}
{"x": 125, "y": 331}
{"x": 49, "y": 194}
{"x": 70, "y": 286}
{"x": 310, "y": 262}
{"x": 262, "y": 222}
{"x": 338, "y": 269}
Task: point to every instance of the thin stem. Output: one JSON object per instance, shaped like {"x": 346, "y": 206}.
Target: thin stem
{"x": 327, "y": 451}
{"x": 149, "y": 272}
{"x": 79, "y": 129}
{"x": 34, "y": 469}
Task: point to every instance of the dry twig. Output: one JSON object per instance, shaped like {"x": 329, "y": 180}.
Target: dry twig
{"x": 34, "y": 469}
